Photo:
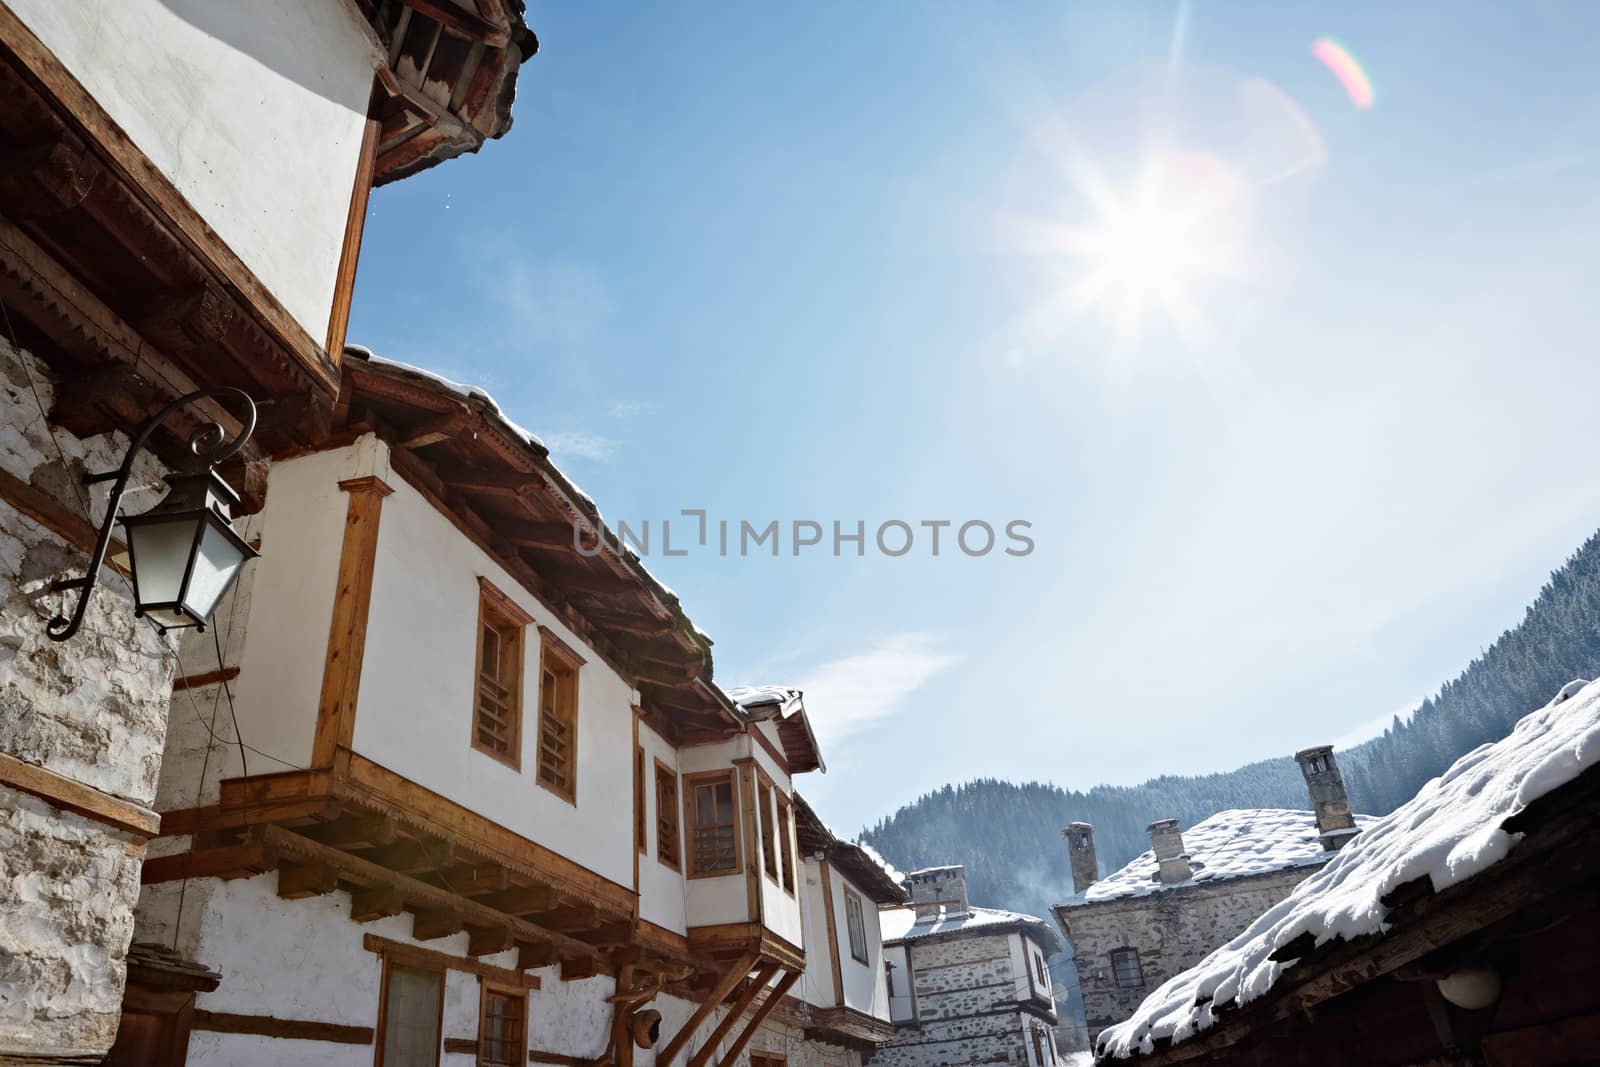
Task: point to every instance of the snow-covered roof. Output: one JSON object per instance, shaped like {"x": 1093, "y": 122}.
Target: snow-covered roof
{"x": 900, "y": 924}
{"x": 1230, "y": 844}
{"x": 1449, "y": 832}
{"x": 856, "y": 861}
{"x": 750, "y": 696}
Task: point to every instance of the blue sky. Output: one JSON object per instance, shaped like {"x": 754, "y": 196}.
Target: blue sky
{"x": 1291, "y": 391}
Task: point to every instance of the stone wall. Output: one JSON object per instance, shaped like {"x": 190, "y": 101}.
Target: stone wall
{"x": 92, "y": 709}
{"x": 1172, "y": 930}
{"x": 969, "y": 1010}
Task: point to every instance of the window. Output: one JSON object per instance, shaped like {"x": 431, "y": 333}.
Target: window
{"x": 786, "y": 843}
{"x": 713, "y": 827}
{"x": 1038, "y": 1046}
{"x": 856, "y": 924}
{"x": 558, "y": 717}
{"x": 501, "y": 1040}
{"x": 667, "y": 816}
{"x": 497, "y": 708}
{"x": 1125, "y": 968}
{"x": 409, "y": 1017}
{"x": 767, "y": 1059}
{"x": 640, "y": 835}
{"x": 769, "y": 835}
{"x": 1044, "y": 976}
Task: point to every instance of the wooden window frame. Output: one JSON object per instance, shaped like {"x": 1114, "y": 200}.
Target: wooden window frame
{"x": 687, "y": 785}
{"x": 1038, "y": 1046}
{"x": 502, "y": 614}
{"x": 767, "y": 823}
{"x": 1138, "y": 967}
{"x": 786, "y": 859}
{"x": 1039, "y": 970}
{"x": 485, "y": 991}
{"x": 668, "y": 857}
{"x": 641, "y": 822}
{"x": 557, "y": 657}
{"x": 763, "y": 1058}
{"x": 856, "y": 922}
{"x": 383, "y": 1006}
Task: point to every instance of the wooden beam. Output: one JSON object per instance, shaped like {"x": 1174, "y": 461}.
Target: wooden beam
{"x": 461, "y": 22}
{"x": 73, "y": 795}
{"x": 199, "y": 681}
{"x": 550, "y": 535}
{"x": 375, "y": 902}
{"x": 774, "y": 995}
{"x": 487, "y": 940}
{"x": 227, "y": 1022}
{"x": 347, "y": 635}
{"x": 476, "y": 879}
{"x": 433, "y": 924}
{"x": 718, "y": 994}
{"x": 521, "y": 900}
{"x": 362, "y": 830}
{"x": 435, "y": 430}
{"x": 532, "y": 956}
{"x": 576, "y": 968}
{"x": 417, "y": 894}
{"x": 232, "y": 861}
{"x": 491, "y": 482}
{"x": 833, "y": 931}
{"x": 568, "y": 918}
{"x": 296, "y": 881}
{"x": 415, "y": 857}
{"x": 758, "y": 982}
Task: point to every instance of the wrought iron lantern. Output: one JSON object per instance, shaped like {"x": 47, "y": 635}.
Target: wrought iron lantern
{"x": 184, "y": 553}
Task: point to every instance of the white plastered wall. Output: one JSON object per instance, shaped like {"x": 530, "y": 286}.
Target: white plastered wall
{"x": 864, "y": 987}
{"x": 254, "y": 112}
{"x": 780, "y": 909}
{"x": 303, "y": 960}
{"x": 660, "y": 886}
{"x": 817, "y": 985}
{"x": 414, "y": 713}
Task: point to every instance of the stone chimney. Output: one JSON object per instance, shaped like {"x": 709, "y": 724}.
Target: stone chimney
{"x": 1328, "y": 798}
{"x": 936, "y": 888}
{"x": 1167, "y": 840}
{"x": 1080, "y": 848}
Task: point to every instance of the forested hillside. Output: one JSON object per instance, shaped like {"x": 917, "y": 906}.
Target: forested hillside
{"x": 1008, "y": 835}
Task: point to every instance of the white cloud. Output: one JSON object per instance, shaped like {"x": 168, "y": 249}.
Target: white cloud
{"x": 580, "y": 444}
{"x": 846, "y": 695}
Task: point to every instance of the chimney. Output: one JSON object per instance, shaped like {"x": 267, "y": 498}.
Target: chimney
{"x": 1328, "y": 798}
{"x": 934, "y": 888}
{"x": 1167, "y": 840}
{"x": 1080, "y": 848}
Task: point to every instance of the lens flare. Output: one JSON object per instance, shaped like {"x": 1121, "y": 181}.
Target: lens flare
{"x": 1337, "y": 58}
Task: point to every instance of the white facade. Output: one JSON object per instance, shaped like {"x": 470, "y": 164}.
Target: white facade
{"x": 253, "y": 111}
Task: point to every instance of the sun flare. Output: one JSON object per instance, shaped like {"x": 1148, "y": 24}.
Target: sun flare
{"x": 1154, "y": 247}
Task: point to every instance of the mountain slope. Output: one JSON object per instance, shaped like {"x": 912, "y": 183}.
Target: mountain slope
{"x": 1008, "y": 834}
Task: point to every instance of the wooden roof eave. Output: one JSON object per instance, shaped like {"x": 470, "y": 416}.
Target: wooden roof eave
{"x": 633, "y": 621}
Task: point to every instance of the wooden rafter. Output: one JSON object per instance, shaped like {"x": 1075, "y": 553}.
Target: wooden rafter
{"x": 774, "y": 996}
{"x": 758, "y": 982}
{"x": 719, "y": 993}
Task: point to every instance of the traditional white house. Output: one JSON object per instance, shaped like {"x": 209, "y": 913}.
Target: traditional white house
{"x": 181, "y": 209}
{"x": 967, "y": 985}
{"x": 461, "y": 788}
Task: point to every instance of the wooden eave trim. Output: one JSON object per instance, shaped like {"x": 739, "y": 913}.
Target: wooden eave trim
{"x": 75, "y": 796}
{"x": 551, "y": 641}
{"x": 431, "y": 959}
{"x": 145, "y": 182}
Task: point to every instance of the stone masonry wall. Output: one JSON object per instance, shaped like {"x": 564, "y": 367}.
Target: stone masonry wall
{"x": 93, "y": 709}
{"x": 1172, "y": 930}
{"x": 967, "y": 995}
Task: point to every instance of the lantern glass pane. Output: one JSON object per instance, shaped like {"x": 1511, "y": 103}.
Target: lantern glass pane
{"x": 160, "y": 556}
{"x": 214, "y": 568}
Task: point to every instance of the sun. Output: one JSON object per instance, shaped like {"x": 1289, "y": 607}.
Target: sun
{"x": 1154, "y": 248}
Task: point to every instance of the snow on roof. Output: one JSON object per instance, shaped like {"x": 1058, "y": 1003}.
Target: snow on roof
{"x": 899, "y": 924}
{"x": 749, "y": 696}
{"x": 877, "y": 857}
{"x": 1449, "y": 832}
{"x": 1229, "y": 844}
